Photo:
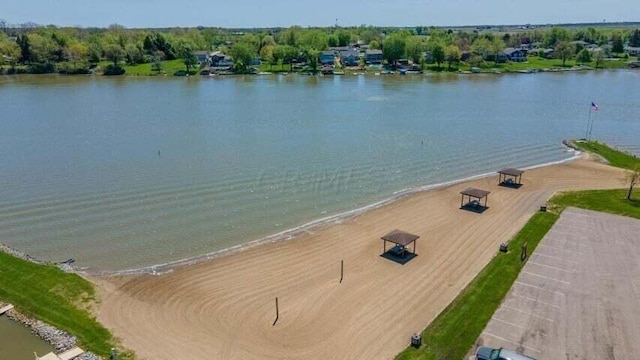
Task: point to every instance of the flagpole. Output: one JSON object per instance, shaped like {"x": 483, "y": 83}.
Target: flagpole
{"x": 588, "y": 134}
{"x": 591, "y": 127}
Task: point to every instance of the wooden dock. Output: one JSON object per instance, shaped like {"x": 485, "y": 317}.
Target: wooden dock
{"x": 67, "y": 355}
{"x": 5, "y": 308}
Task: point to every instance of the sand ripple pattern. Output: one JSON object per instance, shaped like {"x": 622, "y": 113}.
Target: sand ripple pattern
{"x": 224, "y": 309}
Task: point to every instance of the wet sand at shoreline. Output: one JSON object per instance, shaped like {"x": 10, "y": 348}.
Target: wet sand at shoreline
{"x": 224, "y": 308}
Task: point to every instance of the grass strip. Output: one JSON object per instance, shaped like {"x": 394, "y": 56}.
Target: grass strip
{"x": 61, "y": 299}
{"x": 455, "y": 330}
{"x": 615, "y": 157}
{"x": 453, "y": 333}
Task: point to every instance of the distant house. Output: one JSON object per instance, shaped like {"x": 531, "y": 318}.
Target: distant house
{"x": 349, "y": 57}
{"x": 633, "y": 51}
{"x": 548, "y": 53}
{"x": 373, "y": 57}
{"x": 501, "y": 57}
{"x": 515, "y": 55}
{"x": 221, "y": 61}
{"x": 203, "y": 57}
{"x": 337, "y": 49}
{"x": 327, "y": 57}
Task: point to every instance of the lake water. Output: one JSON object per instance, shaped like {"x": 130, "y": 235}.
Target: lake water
{"x": 18, "y": 343}
{"x": 131, "y": 172}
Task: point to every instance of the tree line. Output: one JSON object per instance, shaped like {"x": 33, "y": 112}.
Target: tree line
{"x": 45, "y": 49}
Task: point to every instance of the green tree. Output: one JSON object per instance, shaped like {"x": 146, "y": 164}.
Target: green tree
{"x": 482, "y": 47}
{"x": 452, "y": 55}
{"x": 374, "y": 45}
{"x": 11, "y": 51}
{"x": 290, "y": 36}
{"x": 617, "y": 45}
{"x": 565, "y": 51}
{"x": 242, "y": 54}
{"x": 314, "y": 39}
{"x": 312, "y": 56}
{"x": 332, "y": 41}
{"x": 634, "y": 39}
{"x": 343, "y": 37}
{"x": 475, "y": 61}
{"x": 188, "y": 58}
{"x": 497, "y": 46}
{"x": 42, "y": 48}
{"x": 555, "y": 35}
{"x": 77, "y": 52}
{"x": 114, "y": 53}
{"x": 414, "y": 49}
{"x": 393, "y": 48}
{"x": 598, "y": 57}
{"x": 584, "y": 56}
{"x": 267, "y": 40}
{"x": 156, "y": 62}
{"x": 266, "y": 53}
{"x": 133, "y": 54}
{"x": 437, "y": 52}
{"x": 25, "y": 49}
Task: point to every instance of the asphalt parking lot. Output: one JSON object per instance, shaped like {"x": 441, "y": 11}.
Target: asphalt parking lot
{"x": 578, "y": 296}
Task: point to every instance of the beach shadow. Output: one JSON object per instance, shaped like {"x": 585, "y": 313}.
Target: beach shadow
{"x": 510, "y": 185}
{"x": 478, "y": 209}
{"x": 391, "y": 255}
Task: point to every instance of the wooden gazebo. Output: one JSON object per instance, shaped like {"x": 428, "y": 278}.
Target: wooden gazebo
{"x": 510, "y": 177}
{"x": 401, "y": 239}
{"x": 477, "y": 195}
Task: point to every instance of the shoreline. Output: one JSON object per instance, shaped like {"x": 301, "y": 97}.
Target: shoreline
{"x": 348, "y": 73}
{"x": 224, "y": 308}
{"x": 289, "y": 234}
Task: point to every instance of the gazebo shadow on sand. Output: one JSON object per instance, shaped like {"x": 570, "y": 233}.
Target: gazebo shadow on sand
{"x": 398, "y": 258}
{"x": 474, "y": 207}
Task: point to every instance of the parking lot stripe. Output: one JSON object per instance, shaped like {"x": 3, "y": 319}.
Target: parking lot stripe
{"x": 508, "y": 323}
{"x": 539, "y": 287}
{"x": 550, "y": 267}
{"x": 546, "y": 277}
{"x": 560, "y": 249}
{"x": 554, "y": 257}
{"x": 513, "y": 342}
{"x": 536, "y": 300}
{"x": 526, "y": 313}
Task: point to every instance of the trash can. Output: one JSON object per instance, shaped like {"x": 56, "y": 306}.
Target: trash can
{"x": 504, "y": 247}
{"x": 416, "y": 340}
{"x": 543, "y": 208}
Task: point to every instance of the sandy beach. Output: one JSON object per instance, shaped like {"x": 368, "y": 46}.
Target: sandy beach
{"x": 224, "y": 308}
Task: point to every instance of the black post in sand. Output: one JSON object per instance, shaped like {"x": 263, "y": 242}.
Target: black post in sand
{"x": 277, "y": 313}
{"x": 341, "y": 270}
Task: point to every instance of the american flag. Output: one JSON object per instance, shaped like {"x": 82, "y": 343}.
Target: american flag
{"x": 594, "y": 106}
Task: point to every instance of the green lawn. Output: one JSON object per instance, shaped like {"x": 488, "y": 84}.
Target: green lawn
{"x": 614, "y": 157}
{"x": 453, "y": 333}
{"x": 169, "y": 67}
{"x": 55, "y": 297}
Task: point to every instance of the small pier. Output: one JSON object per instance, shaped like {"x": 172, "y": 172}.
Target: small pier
{"x": 67, "y": 355}
{"x": 5, "y": 308}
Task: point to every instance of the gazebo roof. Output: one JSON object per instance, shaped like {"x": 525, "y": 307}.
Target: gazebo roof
{"x": 476, "y": 193}
{"x": 400, "y": 237}
{"x": 511, "y": 171}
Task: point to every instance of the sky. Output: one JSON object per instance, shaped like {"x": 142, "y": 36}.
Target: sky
{"x": 285, "y": 13}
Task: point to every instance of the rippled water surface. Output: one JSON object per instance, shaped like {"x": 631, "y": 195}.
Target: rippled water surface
{"x": 124, "y": 173}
